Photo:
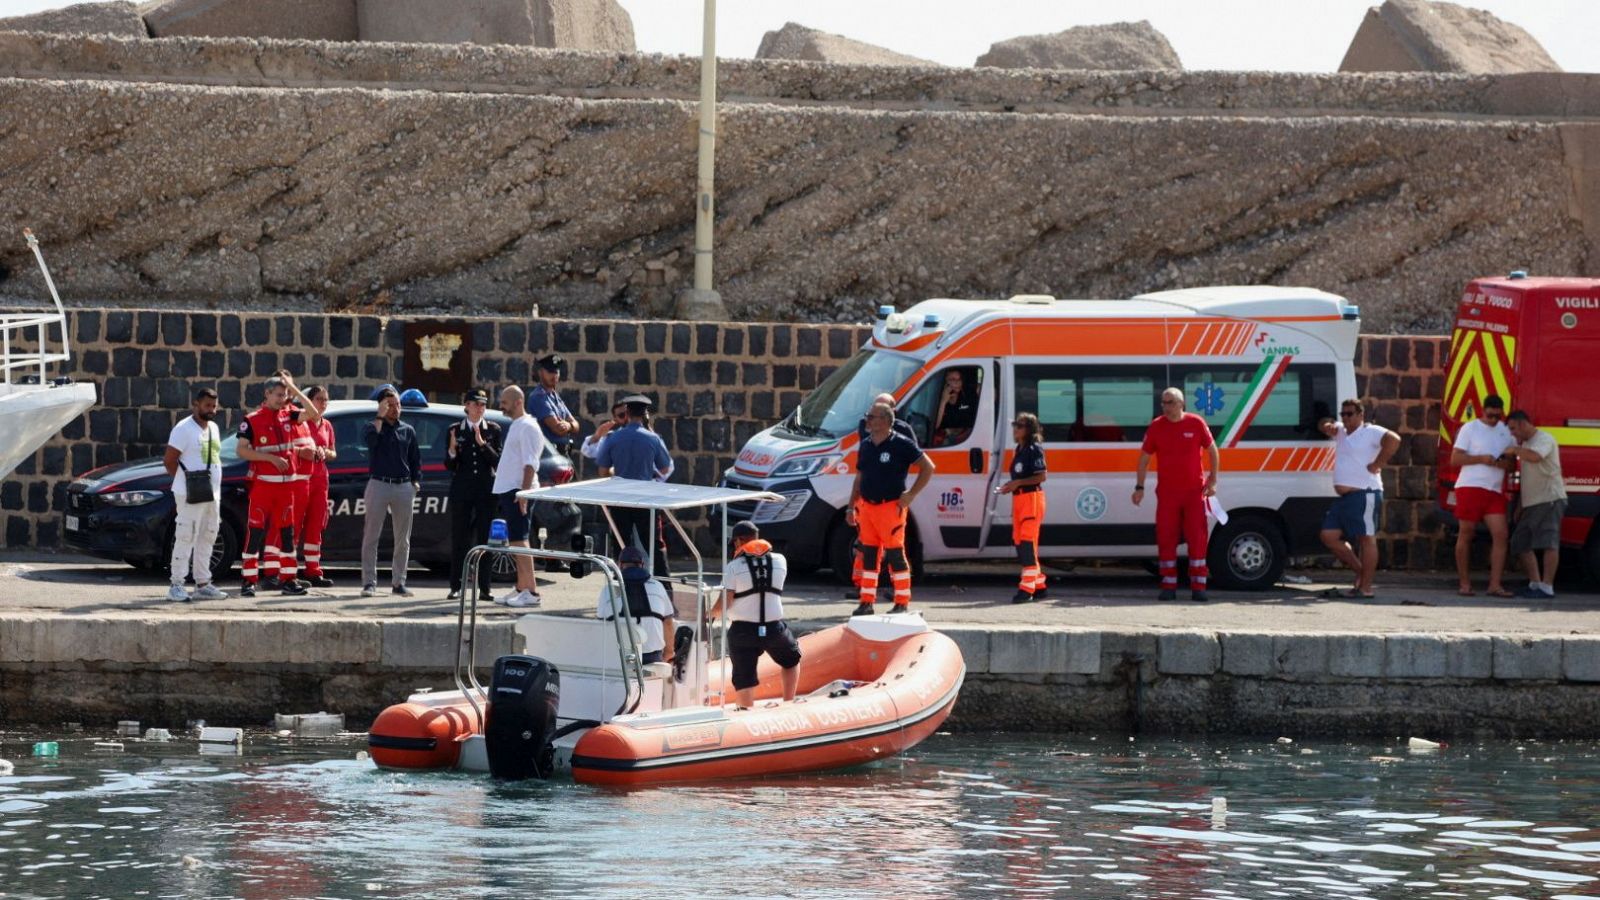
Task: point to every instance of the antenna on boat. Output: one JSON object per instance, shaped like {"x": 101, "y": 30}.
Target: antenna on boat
{"x": 33, "y": 244}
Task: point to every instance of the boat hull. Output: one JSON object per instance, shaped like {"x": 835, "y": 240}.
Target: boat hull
{"x": 32, "y": 414}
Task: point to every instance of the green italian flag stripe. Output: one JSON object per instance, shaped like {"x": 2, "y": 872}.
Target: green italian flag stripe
{"x": 1255, "y": 394}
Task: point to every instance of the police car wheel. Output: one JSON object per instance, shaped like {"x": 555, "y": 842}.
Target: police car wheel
{"x": 1247, "y": 554}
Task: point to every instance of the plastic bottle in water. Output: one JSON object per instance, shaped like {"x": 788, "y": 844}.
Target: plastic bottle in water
{"x": 497, "y": 533}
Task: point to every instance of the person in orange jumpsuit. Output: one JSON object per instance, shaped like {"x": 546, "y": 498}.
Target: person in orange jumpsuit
{"x": 1026, "y": 487}
{"x": 878, "y": 502}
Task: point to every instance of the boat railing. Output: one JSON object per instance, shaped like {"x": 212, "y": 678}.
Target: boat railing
{"x": 20, "y": 330}
{"x": 631, "y": 661}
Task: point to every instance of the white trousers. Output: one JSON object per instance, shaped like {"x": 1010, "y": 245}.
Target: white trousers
{"x": 193, "y": 534}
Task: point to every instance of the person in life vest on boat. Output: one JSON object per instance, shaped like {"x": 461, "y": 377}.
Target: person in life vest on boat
{"x": 752, "y": 588}
{"x": 645, "y": 601}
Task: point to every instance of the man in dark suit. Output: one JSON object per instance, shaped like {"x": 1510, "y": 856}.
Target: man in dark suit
{"x": 472, "y": 450}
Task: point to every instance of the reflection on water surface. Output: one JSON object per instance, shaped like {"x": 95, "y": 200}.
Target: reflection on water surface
{"x": 961, "y": 816}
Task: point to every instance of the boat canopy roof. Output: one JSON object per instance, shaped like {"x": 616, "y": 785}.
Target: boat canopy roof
{"x": 634, "y": 494}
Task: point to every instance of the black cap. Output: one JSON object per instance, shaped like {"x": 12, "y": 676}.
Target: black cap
{"x": 476, "y": 396}
{"x": 745, "y": 529}
{"x": 551, "y": 362}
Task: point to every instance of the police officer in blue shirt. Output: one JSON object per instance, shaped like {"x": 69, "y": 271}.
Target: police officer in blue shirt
{"x": 634, "y": 451}
{"x": 560, "y": 426}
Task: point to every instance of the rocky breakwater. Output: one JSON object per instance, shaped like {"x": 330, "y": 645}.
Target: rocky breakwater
{"x": 838, "y": 187}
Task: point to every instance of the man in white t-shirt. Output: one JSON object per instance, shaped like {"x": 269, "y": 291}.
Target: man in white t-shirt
{"x": 1479, "y": 457}
{"x": 752, "y": 588}
{"x": 518, "y": 470}
{"x": 1360, "y": 450}
{"x": 195, "y": 445}
{"x": 645, "y": 601}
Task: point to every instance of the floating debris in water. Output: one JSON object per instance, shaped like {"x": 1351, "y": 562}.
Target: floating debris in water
{"x": 209, "y": 735}
{"x": 46, "y": 748}
{"x": 362, "y": 756}
{"x": 191, "y": 862}
{"x": 1284, "y": 740}
{"x": 128, "y": 728}
{"x": 6, "y": 768}
{"x": 1417, "y": 743}
{"x": 108, "y": 745}
{"x": 157, "y": 734}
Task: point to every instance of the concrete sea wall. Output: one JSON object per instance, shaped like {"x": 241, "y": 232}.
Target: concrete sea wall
{"x": 239, "y": 670}
{"x": 717, "y": 384}
{"x": 497, "y": 179}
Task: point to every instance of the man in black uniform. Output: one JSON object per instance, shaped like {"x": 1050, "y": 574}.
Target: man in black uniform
{"x": 878, "y": 503}
{"x": 472, "y": 451}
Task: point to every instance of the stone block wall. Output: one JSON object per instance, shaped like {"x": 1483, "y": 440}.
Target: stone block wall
{"x": 717, "y": 384}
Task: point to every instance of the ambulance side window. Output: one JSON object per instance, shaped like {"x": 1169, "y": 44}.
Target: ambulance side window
{"x": 1224, "y": 394}
{"x": 1090, "y": 404}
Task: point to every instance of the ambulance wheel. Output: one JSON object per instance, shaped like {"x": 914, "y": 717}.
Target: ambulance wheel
{"x": 1247, "y": 554}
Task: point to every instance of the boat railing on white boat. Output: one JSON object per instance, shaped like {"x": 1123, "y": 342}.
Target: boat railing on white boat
{"x": 667, "y": 500}
{"x": 19, "y": 329}
{"x": 630, "y": 660}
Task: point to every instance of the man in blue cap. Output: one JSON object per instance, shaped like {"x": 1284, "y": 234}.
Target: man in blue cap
{"x": 645, "y": 601}
{"x": 634, "y": 451}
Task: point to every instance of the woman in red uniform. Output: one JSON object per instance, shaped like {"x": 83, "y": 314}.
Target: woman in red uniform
{"x": 1026, "y": 488}
{"x": 316, "y": 506}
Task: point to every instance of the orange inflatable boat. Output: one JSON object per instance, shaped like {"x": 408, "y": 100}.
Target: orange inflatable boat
{"x": 869, "y": 689}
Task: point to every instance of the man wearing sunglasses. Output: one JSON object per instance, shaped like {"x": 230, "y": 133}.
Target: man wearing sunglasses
{"x": 1480, "y": 492}
{"x": 1360, "y": 450}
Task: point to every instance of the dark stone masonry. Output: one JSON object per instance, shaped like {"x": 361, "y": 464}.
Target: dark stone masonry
{"x": 716, "y": 385}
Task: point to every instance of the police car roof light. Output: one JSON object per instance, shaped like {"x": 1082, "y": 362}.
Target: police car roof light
{"x": 413, "y": 398}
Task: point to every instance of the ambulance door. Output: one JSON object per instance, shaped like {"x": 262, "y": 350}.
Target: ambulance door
{"x": 959, "y": 437}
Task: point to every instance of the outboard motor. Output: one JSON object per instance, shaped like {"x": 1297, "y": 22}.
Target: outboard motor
{"x": 523, "y": 698}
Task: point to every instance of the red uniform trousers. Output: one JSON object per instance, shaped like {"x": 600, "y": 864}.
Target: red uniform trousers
{"x": 1181, "y": 513}
{"x": 1027, "y": 515}
{"x": 312, "y": 505}
{"x": 272, "y": 521}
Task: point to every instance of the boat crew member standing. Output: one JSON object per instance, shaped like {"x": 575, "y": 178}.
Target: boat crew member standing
{"x": 1478, "y": 455}
{"x": 752, "y": 589}
{"x": 472, "y": 453}
{"x": 1360, "y": 450}
{"x": 1179, "y": 440}
{"x": 645, "y": 601}
{"x": 314, "y": 518}
{"x": 1026, "y": 488}
{"x": 195, "y": 445}
{"x": 878, "y": 502}
{"x": 634, "y": 451}
{"x": 518, "y": 470}
{"x": 394, "y": 477}
{"x": 266, "y": 439}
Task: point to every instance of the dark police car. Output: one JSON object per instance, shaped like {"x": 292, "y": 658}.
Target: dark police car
{"x": 125, "y": 511}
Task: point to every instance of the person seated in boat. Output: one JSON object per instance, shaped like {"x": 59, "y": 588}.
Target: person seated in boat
{"x": 752, "y": 589}
{"x": 645, "y": 601}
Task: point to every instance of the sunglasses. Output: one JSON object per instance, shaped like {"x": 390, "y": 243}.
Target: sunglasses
{"x": 1347, "y": 413}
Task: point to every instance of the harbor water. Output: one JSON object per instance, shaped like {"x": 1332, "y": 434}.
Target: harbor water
{"x": 960, "y": 816}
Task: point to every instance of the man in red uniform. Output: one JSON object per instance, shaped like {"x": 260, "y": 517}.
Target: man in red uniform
{"x": 266, "y": 441}
{"x": 1178, "y": 440}
{"x": 313, "y": 509}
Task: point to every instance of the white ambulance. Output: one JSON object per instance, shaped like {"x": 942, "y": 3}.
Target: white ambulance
{"x": 1262, "y": 364}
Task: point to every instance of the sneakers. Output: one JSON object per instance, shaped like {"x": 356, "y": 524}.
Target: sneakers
{"x": 1199, "y": 596}
{"x": 524, "y": 599}
{"x": 1167, "y": 596}
{"x": 209, "y": 592}
{"x": 177, "y": 594}
{"x": 248, "y": 589}
{"x": 1023, "y": 597}
{"x": 865, "y": 609}
{"x": 1536, "y": 593}
{"x": 369, "y": 590}
{"x": 321, "y": 581}
{"x": 455, "y": 594}
{"x": 401, "y": 590}
{"x": 505, "y": 599}
{"x": 292, "y": 588}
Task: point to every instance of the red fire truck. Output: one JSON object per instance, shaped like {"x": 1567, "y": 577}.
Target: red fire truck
{"x": 1535, "y": 342}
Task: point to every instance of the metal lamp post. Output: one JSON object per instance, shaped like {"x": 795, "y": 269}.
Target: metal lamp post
{"x": 702, "y": 302}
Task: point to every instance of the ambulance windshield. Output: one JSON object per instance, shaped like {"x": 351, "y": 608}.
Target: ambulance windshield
{"x": 836, "y": 406}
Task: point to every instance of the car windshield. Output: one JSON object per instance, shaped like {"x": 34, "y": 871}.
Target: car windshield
{"x": 836, "y": 406}
{"x": 230, "y": 449}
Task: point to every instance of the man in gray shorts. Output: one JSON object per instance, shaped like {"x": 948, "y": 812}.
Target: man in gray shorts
{"x": 1544, "y": 502}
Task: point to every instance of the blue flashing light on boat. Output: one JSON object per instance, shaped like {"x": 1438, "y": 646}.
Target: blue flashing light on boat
{"x": 930, "y": 322}
{"x": 885, "y": 312}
